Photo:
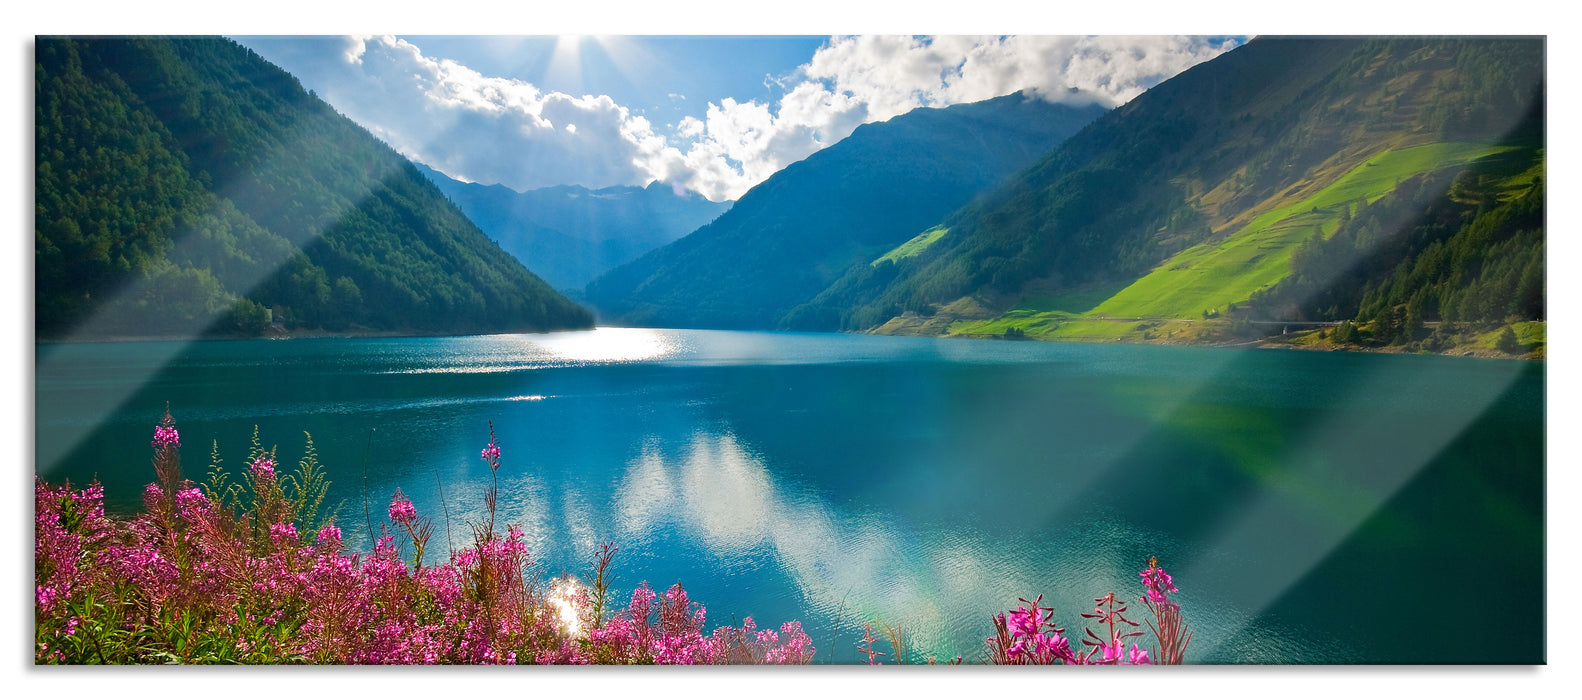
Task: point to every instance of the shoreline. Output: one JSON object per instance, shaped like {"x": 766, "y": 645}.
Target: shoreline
{"x": 1265, "y": 344}
{"x": 294, "y": 334}
{"x": 1259, "y": 343}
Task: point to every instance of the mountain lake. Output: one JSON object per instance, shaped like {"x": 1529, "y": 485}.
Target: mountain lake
{"x": 1312, "y": 507}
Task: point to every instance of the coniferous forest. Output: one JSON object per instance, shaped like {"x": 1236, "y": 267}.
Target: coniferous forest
{"x": 185, "y": 186}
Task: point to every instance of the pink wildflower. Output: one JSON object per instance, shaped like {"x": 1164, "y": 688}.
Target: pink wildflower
{"x": 152, "y": 496}
{"x": 281, "y": 532}
{"x": 1025, "y": 622}
{"x": 1167, "y": 624}
{"x": 263, "y": 468}
{"x": 165, "y": 436}
{"x": 185, "y": 553}
{"x": 1030, "y": 643}
{"x": 402, "y": 510}
{"x": 1159, "y": 583}
{"x": 165, "y": 432}
{"x": 192, "y": 504}
{"x": 869, "y": 639}
{"x": 1138, "y": 656}
{"x": 329, "y": 535}
{"x": 46, "y": 596}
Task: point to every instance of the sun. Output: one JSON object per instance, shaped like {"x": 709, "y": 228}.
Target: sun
{"x": 570, "y": 58}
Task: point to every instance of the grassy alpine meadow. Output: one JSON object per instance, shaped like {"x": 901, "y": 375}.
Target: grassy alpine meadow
{"x": 1204, "y": 280}
{"x": 250, "y": 569}
{"x": 913, "y": 247}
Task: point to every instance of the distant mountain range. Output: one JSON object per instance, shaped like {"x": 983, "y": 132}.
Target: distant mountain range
{"x": 1384, "y": 191}
{"x": 792, "y": 235}
{"x": 185, "y": 187}
{"x": 1390, "y": 183}
{"x": 570, "y": 234}
{"x": 1194, "y": 198}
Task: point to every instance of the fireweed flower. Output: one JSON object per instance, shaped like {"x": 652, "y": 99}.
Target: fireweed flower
{"x": 1138, "y": 656}
{"x": 1030, "y": 643}
{"x": 186, "y": 554}
{"x": 165, "y": 436}
{"x": 402, "y": 510}
{"x": 1027, "y": 635}
{"x": 1168, "y": 627}
{"x": 192, "y": 503}
{"x": 282, "y": 532}
{"x": 329, "y": 535}
{"x": 263, "y": 468}
{"x": 1159, "y": 583}
{"x": 46, "y": 596}
{"x": 152, "y": 495}
{"x": 165, "y": 432}
{"x": 1026, "y": 622}
{"x": 869, "y": 639}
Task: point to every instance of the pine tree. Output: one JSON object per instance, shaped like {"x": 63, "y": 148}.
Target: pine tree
{"x": 1346, "y": 332}
{"x": 1507, "y": 342}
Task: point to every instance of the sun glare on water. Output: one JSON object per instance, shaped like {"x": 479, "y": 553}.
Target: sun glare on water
{"x": 606, "y": 345}
{"x": 563, "y": 595}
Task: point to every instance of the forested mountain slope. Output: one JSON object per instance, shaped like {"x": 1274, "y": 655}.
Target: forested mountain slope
{"x": 795, "y": 233}
{"x": 186, "y": 186}
{"x": 1193, "y": 197}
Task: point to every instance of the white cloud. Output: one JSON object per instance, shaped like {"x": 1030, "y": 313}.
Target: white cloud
{"x": 485, "y": 129}
{"x": 488, "y": 129}
{"x": 355, "y": 46}
{"x": 896, "y": 74}
{"x": 854, "y": 80}
{"x": 690, "y": 127}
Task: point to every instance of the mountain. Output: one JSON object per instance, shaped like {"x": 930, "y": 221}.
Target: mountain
{"x": 1463, "y": 250}
{"x": 1194, "y": 198}
{"x": 796, "y": 232}
{"x": 571, "y": 234}
{"x": 185, "y": 186}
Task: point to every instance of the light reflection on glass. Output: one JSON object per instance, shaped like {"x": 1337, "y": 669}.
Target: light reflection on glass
{"x": 1337, "y": 510}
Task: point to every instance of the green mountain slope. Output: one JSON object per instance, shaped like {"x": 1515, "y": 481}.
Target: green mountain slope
{"x": 570, "y": 234}
{"x": 184, "y": 185}
{"x": 1195, "y": 196}
{"x": 1209, "y": 277}
{"x": 844, "y": 206}
{"x": 1467, "y": 257}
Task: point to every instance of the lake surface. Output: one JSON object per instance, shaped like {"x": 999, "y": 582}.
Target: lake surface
{"x": 1312, "y": 507}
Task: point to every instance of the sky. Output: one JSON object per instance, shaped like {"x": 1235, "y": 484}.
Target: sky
{"x": 714, "y": 115}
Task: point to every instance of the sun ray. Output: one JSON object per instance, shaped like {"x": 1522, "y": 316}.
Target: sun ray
{"x": 565, "y": 63}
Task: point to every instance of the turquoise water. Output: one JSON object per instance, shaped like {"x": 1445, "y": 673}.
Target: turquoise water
{"x": 1312, "y": 507}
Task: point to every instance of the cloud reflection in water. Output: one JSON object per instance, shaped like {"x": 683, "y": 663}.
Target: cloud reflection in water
{"x": 848, "y": 567}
